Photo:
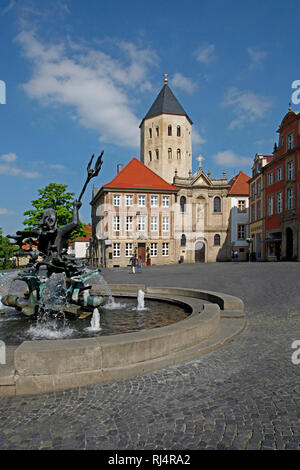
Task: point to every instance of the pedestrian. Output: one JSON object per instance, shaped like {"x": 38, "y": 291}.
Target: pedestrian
{"x": 140, "y": 264}
{"x": 236, "y": 255}
{"x": 133, "y": 263}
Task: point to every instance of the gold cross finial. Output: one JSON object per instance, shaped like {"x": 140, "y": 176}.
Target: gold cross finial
{"x": 166, "y": 78}
{"x": 200, "y": 160}
{"x": 290, "y": 107}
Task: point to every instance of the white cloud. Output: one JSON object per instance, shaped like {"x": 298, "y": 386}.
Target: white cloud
{"x": 206, "y": 54}
{"x": 57, "y": 166}
{"x": 257, "y": 56}
{"x": 10, "y": 169}
{"x": 90, "y": 81}
{"x": 247, "y": 106}
{"x": 229, "y": 159}
{"x": 197, "y": 139}
{"x": 185, "y": 83}
{"x": 4, "y": 211}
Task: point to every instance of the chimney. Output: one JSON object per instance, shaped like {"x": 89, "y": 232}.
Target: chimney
{"x": 119, "y": 167}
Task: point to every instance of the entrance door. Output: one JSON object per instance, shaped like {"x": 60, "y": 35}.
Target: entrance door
{"x": 289, "y": 243}
{"x": 200, "y": 252}
{"x": 142, "y": 251}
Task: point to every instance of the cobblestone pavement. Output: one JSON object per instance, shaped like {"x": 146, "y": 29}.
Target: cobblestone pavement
{"x": 245, "y": 395}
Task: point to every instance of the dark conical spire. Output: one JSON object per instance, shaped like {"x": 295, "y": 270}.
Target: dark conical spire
{"x": 166, "y": 103}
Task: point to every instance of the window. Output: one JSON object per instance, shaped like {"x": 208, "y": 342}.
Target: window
{"x": 252, "y": 212}
{"x": 270, "y": 205}
{"x": 169, "y": 130}
{"x": 279, "y": 203}
{"x": 129, "y": 221}
{"x": 290, "y": 198}
{"x": 217, "y": 240}
{"x": 258, "y": 187}
{"x": 241, "y": 232}
{"x": 281, "y": 141}
{"x": 157, "y": 131}
{"x": 142, "y": 201}
{"x": 165, "y": 249}
{"x": 217, "y": 204}
{"x": 178, "y": 131}
{"x": 150, "y": 156}
{"x": 117, "y": 200}
{"x": 157, "y": 154}
{"x": 154, "y": 201}
{"x": 154, "y": 223}
{"x": 150, "y": 132}
{"x": 128, "y": 200}
{"x": 242, "y": 206}
{"x": 279, "y": 173}
{"x": 141, "y": 223}
{"x": 183, "y": 240}
{"x": 258, "y": 210}
{"x": 116, "y": 250}
{"x": 153, "y": 249}
{"x": 178, "y": 154}
{"x": 270, "y": 179}
{"x": 290, "y": 141}
{"x": 166, "y": 201}
{"x": 290, "y": 168}
{"x": 253, "y": 191}
{"x": 116, "y": 225}
{"x": 182, "y": 203}
{"x": 169, "y": 153}
{"x": 165, "y": 223}
{"x": 128, "y": 250}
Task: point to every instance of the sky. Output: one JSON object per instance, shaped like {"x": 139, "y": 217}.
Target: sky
{"x": 80, "y": 75}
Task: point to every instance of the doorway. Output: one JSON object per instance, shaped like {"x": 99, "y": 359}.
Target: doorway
{"x": 289, "y": 243}
{"x": 142, "y": 251}
{"x": 200, "y": 252}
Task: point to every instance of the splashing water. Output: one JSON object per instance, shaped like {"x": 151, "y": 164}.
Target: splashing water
{"x": 95, "y": 321}
{"x": 140, "y": 300}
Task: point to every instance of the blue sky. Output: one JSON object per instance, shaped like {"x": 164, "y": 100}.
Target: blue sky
{"x": 81, "y": 75}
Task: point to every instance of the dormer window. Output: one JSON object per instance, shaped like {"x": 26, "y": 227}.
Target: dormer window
{"x": 290, "y": 141}
{"x": 169, "y": 130}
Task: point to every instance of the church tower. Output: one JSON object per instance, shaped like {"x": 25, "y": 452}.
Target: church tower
{"x": 166, "y": 137}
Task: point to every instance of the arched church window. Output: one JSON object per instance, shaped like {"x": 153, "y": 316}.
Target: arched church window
{"x": 169, "y": 153}
{"x": 217, "y": 240}
{"x": 150, "y": 156}
{"x": 157, "y": 154}
{"x": 183, "y": 240}
{"x": 217, "y": 204}
{"x": 157, "y": 131}
{"x": 170, "y": 130}
{"x": 150, "y": 132}
{"x": 182, "y": 204}
{"x": 178, "y": 131}
{"x": 178, "y": 154}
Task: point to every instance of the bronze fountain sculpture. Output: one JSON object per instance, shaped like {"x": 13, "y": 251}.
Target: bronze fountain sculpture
{"x": 50, "y": 255}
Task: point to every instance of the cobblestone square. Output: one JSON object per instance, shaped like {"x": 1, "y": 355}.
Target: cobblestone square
{"x": 245, "y": 395}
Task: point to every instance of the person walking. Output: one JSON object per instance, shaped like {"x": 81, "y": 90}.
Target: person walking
{"x": 140, "y": 264}
{"x": 133, "y": 261}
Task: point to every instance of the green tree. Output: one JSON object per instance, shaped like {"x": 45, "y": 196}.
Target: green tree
{"x": 6, "y": 252}
{"x": 53, "y": 196}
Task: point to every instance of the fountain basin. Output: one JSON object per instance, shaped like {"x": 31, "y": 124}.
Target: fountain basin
{"x": 43, "y": 366}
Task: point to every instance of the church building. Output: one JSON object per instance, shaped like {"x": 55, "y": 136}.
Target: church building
{"x": 156, "y": 207}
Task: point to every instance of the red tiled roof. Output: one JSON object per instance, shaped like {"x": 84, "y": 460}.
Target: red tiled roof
{"x": 136, "y": 175}
{"x": 239, "y": 185}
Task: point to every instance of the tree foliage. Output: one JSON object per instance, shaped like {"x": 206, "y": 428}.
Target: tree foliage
{"x": 53, "y": 196}
{"x": 6, "y": 252}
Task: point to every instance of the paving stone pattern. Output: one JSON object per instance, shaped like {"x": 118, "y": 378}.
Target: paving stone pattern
{"x": 245, "y": 395}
